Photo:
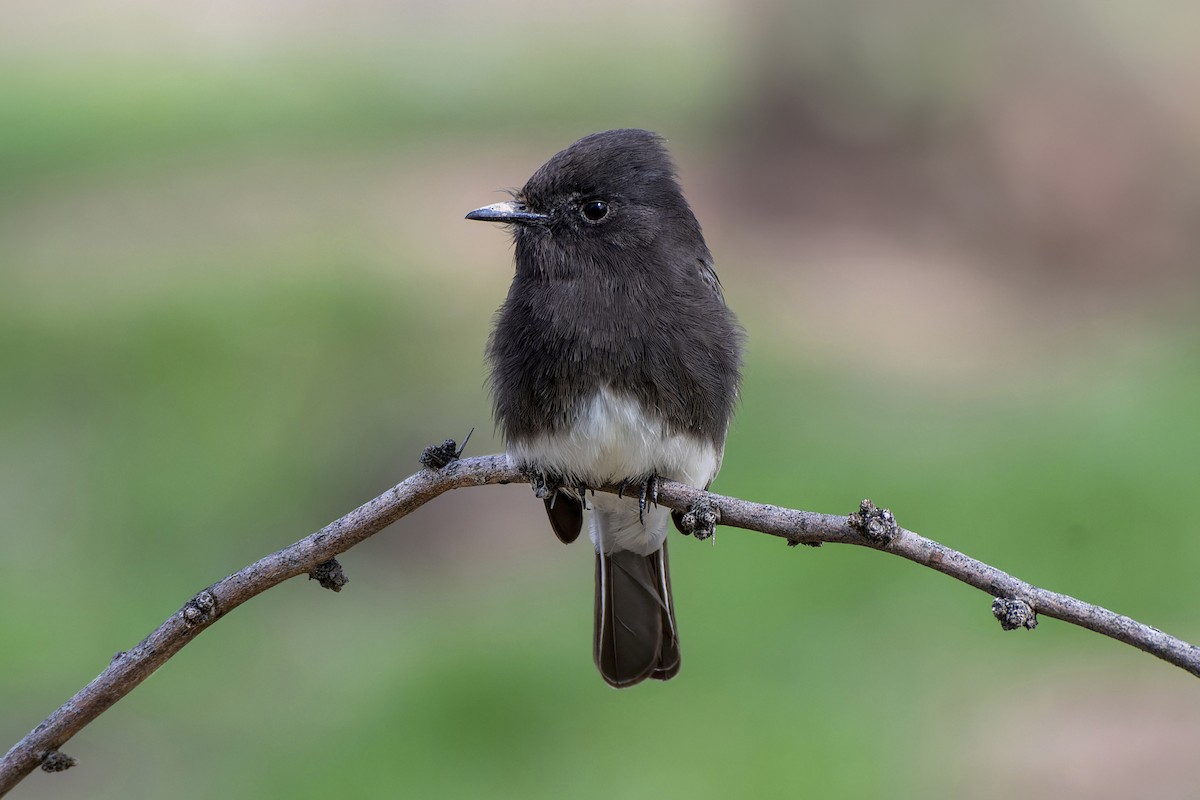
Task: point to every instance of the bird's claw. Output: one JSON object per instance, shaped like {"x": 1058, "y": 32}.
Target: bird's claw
{"x": 545, "y": 486}
{"x": 648, "y": 495}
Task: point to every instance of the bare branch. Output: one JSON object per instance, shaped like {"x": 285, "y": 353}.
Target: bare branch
{"x": 1017, "y": 603}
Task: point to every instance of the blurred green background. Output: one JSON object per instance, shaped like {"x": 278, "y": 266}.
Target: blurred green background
{"x": 238, "y": 297}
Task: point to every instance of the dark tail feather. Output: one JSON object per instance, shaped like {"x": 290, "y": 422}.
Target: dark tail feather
{"x": 635, "y": 635}
{"x": 668, "y": 660}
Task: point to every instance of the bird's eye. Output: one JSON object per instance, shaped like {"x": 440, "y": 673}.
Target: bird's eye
{"x": 595, "y": 210}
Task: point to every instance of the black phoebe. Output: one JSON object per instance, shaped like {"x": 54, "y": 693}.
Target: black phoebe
{"x": 614, "y": 360}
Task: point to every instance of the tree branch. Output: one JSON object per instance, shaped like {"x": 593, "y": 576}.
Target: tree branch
{"x": 1017, "y": 603}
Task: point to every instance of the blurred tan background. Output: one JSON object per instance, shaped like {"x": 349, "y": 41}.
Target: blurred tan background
{"x": 239, "y": 297}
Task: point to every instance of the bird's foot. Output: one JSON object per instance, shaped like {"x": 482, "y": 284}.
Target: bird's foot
{"x": 648, "y": 495}
{"x": 547, "y": 485}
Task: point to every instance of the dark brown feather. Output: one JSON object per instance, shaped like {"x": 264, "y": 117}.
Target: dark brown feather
{"x": 632, "y": 304}
{"x": 635, "y": 636}
{"x": 566, "y": 516}
{"x": 668, "y": 659}
{"x": 629, "y": 303}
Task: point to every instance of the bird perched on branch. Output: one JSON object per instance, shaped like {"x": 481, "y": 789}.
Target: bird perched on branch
{"x": 614, "y": 360}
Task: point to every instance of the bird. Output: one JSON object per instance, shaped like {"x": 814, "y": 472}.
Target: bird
{"x": 614, "y": 360}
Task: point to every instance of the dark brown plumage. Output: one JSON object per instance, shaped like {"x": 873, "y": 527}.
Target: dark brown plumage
{"x": 614, "y": 358}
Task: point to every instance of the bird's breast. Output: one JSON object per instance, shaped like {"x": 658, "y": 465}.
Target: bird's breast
{"x": 613, "y": 437}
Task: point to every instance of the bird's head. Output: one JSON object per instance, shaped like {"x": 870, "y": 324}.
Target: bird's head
{"x": 592, "y": 204}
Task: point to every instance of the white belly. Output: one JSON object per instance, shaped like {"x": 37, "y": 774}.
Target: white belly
{"x": 614, "y": 439}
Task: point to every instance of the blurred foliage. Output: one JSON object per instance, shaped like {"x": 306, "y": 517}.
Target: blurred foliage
{"x": 70, "y": 119}
{"x": 238, "y": 302}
